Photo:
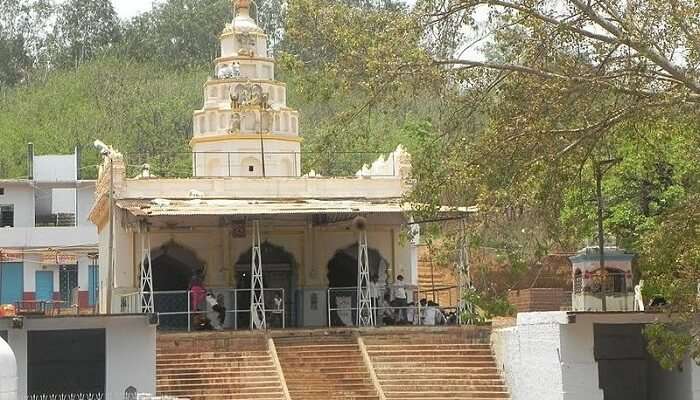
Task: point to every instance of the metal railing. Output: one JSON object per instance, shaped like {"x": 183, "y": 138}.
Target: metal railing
{"x": 343, "y": 308}
{"x": 176, "y": 309}
{"x": 247, "y": 164}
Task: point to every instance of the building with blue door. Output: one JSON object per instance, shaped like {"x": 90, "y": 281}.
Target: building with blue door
{"x": 48, "y": 248}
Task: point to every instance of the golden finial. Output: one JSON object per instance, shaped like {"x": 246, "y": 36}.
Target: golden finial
{"x": 239, "y": 4}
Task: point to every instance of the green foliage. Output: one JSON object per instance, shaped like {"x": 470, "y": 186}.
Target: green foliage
{"x": 138, "y": 108}
{"x": 669, "y": 345}
{"x": 486, "y": 307}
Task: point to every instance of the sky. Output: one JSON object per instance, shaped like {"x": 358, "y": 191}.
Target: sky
{"x": 129, "y": 8}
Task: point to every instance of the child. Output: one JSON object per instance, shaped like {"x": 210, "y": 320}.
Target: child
{"x": 216, "y": 319}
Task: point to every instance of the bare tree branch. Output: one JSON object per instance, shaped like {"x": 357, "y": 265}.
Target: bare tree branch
{"x": 645, "y": 49}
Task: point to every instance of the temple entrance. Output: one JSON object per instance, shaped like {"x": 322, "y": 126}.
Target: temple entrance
{"x": 279, "y": 272}
{"x": 342, "y": 279}
{"x": 173, "y": 268}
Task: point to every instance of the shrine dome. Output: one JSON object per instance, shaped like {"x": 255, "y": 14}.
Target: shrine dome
{"x": 8, "y": 372}
{"x": 243, "y": 21}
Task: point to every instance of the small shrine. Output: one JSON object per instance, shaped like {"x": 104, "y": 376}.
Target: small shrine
{"x": 593, "y": 286}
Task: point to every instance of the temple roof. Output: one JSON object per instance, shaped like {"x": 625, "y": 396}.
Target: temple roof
{"x": 223, "y": 207}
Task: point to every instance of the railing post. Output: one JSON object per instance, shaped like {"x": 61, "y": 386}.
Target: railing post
{"x": 229, "y": 164}
{"x": 189, "y": 317}
{"x": 328, "y": 305}
{"x": 235, "y": 309}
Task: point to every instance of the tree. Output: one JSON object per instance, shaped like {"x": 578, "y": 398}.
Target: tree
{"x": 83, "y": 29}
{"x": 22, "y": 38}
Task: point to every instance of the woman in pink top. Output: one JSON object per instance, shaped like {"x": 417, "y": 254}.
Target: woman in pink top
{"x": 197, "y": 293}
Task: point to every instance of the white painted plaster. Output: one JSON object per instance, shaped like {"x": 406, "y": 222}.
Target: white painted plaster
{"x": 130, "y": 349}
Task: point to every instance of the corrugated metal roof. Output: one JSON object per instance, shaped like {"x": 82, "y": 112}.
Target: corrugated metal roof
{"x": 167, "y": 207}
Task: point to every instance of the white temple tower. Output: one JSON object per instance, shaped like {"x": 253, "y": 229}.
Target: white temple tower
{"x": 245, "y": 113}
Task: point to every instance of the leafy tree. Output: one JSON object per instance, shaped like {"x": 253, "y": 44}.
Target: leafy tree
{"x": 83, "y": 29}
{"x": 22, "y": 38}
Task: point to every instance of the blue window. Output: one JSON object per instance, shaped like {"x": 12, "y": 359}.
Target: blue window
{"x": 93, "y": 284}
{"x": 11, "y": 282}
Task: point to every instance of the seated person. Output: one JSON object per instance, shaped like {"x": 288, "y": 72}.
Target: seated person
{"x": 387, "y": 310}
{"x": 202, "y": 323}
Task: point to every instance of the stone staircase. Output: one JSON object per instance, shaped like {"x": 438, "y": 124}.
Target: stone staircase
{"x": 326, "y": 367}
{"x": 216, "y": 366}
{"x": 435, "y": 365}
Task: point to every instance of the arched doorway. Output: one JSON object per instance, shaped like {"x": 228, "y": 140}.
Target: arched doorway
{"x": 342, "y": 277}
{"x": 173, "y": 268}
{"x": 279, "y": 272}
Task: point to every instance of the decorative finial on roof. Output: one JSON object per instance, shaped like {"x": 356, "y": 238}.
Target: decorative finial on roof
{"x": 242, "y": 21}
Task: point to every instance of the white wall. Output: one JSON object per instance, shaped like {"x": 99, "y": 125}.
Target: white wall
{"x": 130, "y": 348}
{"x": 21, "y": 195}
{"x": 529, "y": 356}
{"x": 579, "y": 367}
{"x": 55, "y": 168}
{"x": 546, "y": 357}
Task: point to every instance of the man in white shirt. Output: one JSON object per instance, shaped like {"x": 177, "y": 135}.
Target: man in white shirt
{"x": 400, "y": 299}
{"x": 374, "y": 295}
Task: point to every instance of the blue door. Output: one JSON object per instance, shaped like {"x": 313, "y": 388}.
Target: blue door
{"x": 11, "y": 282}
{"x": 44, "y": 285}
{"x": 94, "y": 280}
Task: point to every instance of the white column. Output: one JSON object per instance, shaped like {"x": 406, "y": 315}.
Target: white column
{"x": 365, "y": 316}
{"x": 257, "y": 299}
{"x": 146, "y": 287}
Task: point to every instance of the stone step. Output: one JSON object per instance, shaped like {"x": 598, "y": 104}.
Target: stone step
{"x": 428, "y": 358}
{"x": 434, "y": 351}
{"x": 218, "y": 364}
{"x": 218, "y": 372}
{"x": 231, "y": 396}
{"x": 210, "y": 354}
{"x": 434, "y": 363}
{"x": 446, "y": 395}
{"x": 494, "y": 380}
{"x": 441, "y": 388}
{"x": 427, "y": 346}
{"x": 466, "y": 372}
{"x": 225, "y": 393}
{"x": 221, "y": 379}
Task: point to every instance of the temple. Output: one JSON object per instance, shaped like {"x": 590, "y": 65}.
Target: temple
{"x": 250, "y": 223}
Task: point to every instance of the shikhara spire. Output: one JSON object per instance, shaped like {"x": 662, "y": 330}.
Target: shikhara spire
{"x": 245, "y": 127}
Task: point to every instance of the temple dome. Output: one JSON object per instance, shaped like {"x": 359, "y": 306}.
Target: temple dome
{"x": 8, "y": 372}
{"x": 243, "y": 21}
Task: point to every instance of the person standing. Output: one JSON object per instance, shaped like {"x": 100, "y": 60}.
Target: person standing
{"x": 374, "y": 295}
{"x": 400, "y": 299}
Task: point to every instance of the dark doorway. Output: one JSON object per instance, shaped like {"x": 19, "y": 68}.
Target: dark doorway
{"x": 64, "y": 362}
{"x": 68, "y": 280}
{"x": 279, "y": 272}
{"x": 173, "y": 268}
{"x": 620, "y": 350}
{"x": 342, "y": 278}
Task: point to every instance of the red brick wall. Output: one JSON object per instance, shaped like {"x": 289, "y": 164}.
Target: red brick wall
{"x": 537, "y": 299}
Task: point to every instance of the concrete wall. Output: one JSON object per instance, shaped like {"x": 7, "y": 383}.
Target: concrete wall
{"x": 277, "y": 188}
{"x": 130, "y": 349}
{"x": 55, "y": 168}
{"x": 21, "y": 195}
{"x": 547, "y": 357}
{"x": 529, "y": 356}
